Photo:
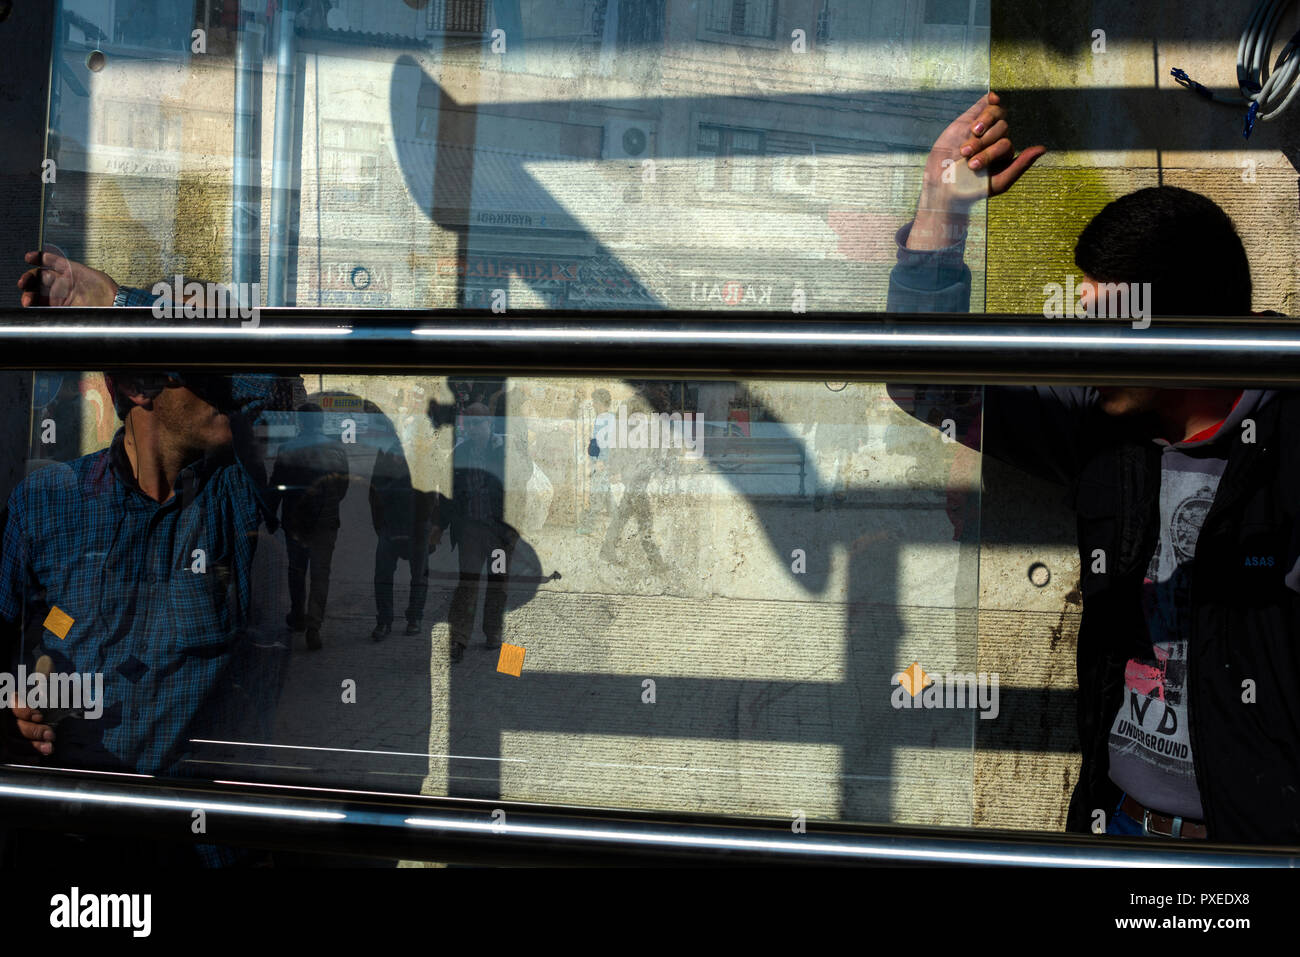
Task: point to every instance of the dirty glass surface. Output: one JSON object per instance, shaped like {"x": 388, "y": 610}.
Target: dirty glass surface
{"x": 574, "y": 154}
{"x": 721, "y": 594}
{"x": 755, "y": 597}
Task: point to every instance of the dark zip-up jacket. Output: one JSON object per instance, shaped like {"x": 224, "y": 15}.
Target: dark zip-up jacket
{"x": 1243, "y": 653}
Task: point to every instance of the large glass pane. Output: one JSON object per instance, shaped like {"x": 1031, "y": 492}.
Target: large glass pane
{"x": 576, "y": 154}
{"x": 772, "y": 615}
{"x": 727, "y": 596}
{"x": 782, "y": 606}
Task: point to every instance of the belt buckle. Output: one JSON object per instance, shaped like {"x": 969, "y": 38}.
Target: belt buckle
{"x": 1146, "y": 821}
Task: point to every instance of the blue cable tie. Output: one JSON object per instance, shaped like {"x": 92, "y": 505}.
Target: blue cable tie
{"x": 1182, "y": 77}
{"x": 1250, "y": 119}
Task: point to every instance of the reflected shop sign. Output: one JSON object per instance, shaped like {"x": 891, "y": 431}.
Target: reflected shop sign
{"x": 547, "y": 279}
{"x": 734, "y": 292}
{"x": 503, "y": 267}
{"x": 344, "y": 283}
{"x": 591, "y": 280}
{"x": 481, "y": 297}
{"x": 341, "y": 409}
{"x": 582, "y": 281}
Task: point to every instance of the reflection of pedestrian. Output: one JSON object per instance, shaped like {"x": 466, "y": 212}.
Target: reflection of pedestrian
{"x": 598, "y": 451}
{"x": 309, "y": 481}
{"x": 479, "y": 531}
{"x": 636, "y": 468}
{"x": 401, "y": 521}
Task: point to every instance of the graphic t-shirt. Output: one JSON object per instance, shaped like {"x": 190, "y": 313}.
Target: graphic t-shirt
{"x": 1150, "y": 749}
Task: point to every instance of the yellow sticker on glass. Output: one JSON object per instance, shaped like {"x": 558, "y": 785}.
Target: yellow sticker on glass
{"x": 511, "y": 661}
{"x": 59, "y": 622}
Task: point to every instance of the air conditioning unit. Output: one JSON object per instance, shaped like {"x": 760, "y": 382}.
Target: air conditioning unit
{"x": 794, "y": 175}
{"x": 627, "y": 140}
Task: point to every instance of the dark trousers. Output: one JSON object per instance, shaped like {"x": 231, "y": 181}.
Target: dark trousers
{"x": 387, "y": 552}
{"x": 475, "y": 542}
{"x": 314, "y": 549}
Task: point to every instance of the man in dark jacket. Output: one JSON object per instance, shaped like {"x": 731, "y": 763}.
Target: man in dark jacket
{"x": 1188, "y": 659}
{"x": 402, "y": 518}
{"x": 479, "y": 532}
{"x": 310, "y": 479}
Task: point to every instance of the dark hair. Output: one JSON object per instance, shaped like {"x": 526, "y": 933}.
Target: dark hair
{"x": 601, "y": 396}
{"x": 1180, "y": 242}
{"x": 121, "y": 384}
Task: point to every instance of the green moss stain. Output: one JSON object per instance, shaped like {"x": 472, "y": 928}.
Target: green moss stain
{"x": 116, "y": 240}
{"x": 1033, "y": 227}
{"x": 202, "y": 218}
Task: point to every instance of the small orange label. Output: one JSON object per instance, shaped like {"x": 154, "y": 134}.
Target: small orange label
{"x": 914, "y": 680}
{"x": 511, "y": 661}
{"x": 59, "y": 622}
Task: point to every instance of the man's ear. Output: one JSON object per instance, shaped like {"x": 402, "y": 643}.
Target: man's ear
{"x": 142, "y": 395}
{"x": 136, "y": 398}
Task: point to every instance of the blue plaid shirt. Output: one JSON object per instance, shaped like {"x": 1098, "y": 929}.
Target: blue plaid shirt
{"x": 159, "y": 594}
{"x": 82, "y": 537}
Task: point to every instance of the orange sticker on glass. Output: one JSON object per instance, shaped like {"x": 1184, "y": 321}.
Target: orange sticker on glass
{"x": 59, "y": 622}
{"x": 511, "y": 661}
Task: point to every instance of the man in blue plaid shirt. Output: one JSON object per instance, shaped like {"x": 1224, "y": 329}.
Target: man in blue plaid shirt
{"x": 147, "y": 548}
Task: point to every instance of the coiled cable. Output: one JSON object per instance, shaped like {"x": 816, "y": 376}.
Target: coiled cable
{"x": 1265, "y": 98}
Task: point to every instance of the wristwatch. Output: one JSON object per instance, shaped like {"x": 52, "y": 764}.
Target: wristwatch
{"x": 130, "y": 296}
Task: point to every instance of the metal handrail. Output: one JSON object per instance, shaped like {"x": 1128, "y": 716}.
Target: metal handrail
{"x": 930, "y": 348}
{"x": 994, "y": 348}
{"x": 454, "y": 830}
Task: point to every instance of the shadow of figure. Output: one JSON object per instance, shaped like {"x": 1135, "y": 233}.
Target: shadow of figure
{"x": 447, "y": 171}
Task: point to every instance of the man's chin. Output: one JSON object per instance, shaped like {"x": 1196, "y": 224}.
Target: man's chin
{"x": 219, "y": 432}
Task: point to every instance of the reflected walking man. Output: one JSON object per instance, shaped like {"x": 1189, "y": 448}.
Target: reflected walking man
{"x": 309, "y": 481}
{"x": 401, "y": 519}
{"x": 598, "y": 503}
{"x": 479, "y": 531}
{"x": 636, "y": 467}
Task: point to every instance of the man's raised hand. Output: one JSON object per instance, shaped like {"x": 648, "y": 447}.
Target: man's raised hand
{"x": 55, "y": 280}
{"x": 974, "y": 157}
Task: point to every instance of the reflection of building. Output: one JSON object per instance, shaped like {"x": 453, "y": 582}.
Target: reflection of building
{"x": 433, "y": 174}
{"x": 571, "y": 188}
{"x": 770, "y": 165}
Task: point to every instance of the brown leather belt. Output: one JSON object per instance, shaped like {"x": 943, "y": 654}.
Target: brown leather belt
{"x": 1163, "y": 824}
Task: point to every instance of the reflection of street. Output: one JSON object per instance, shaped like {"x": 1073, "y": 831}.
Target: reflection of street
{"x": 588, "y": 632}
{"x": 765, "y": 672}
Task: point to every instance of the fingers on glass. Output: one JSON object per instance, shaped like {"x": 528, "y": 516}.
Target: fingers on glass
{"x": 1000, "y": 149}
